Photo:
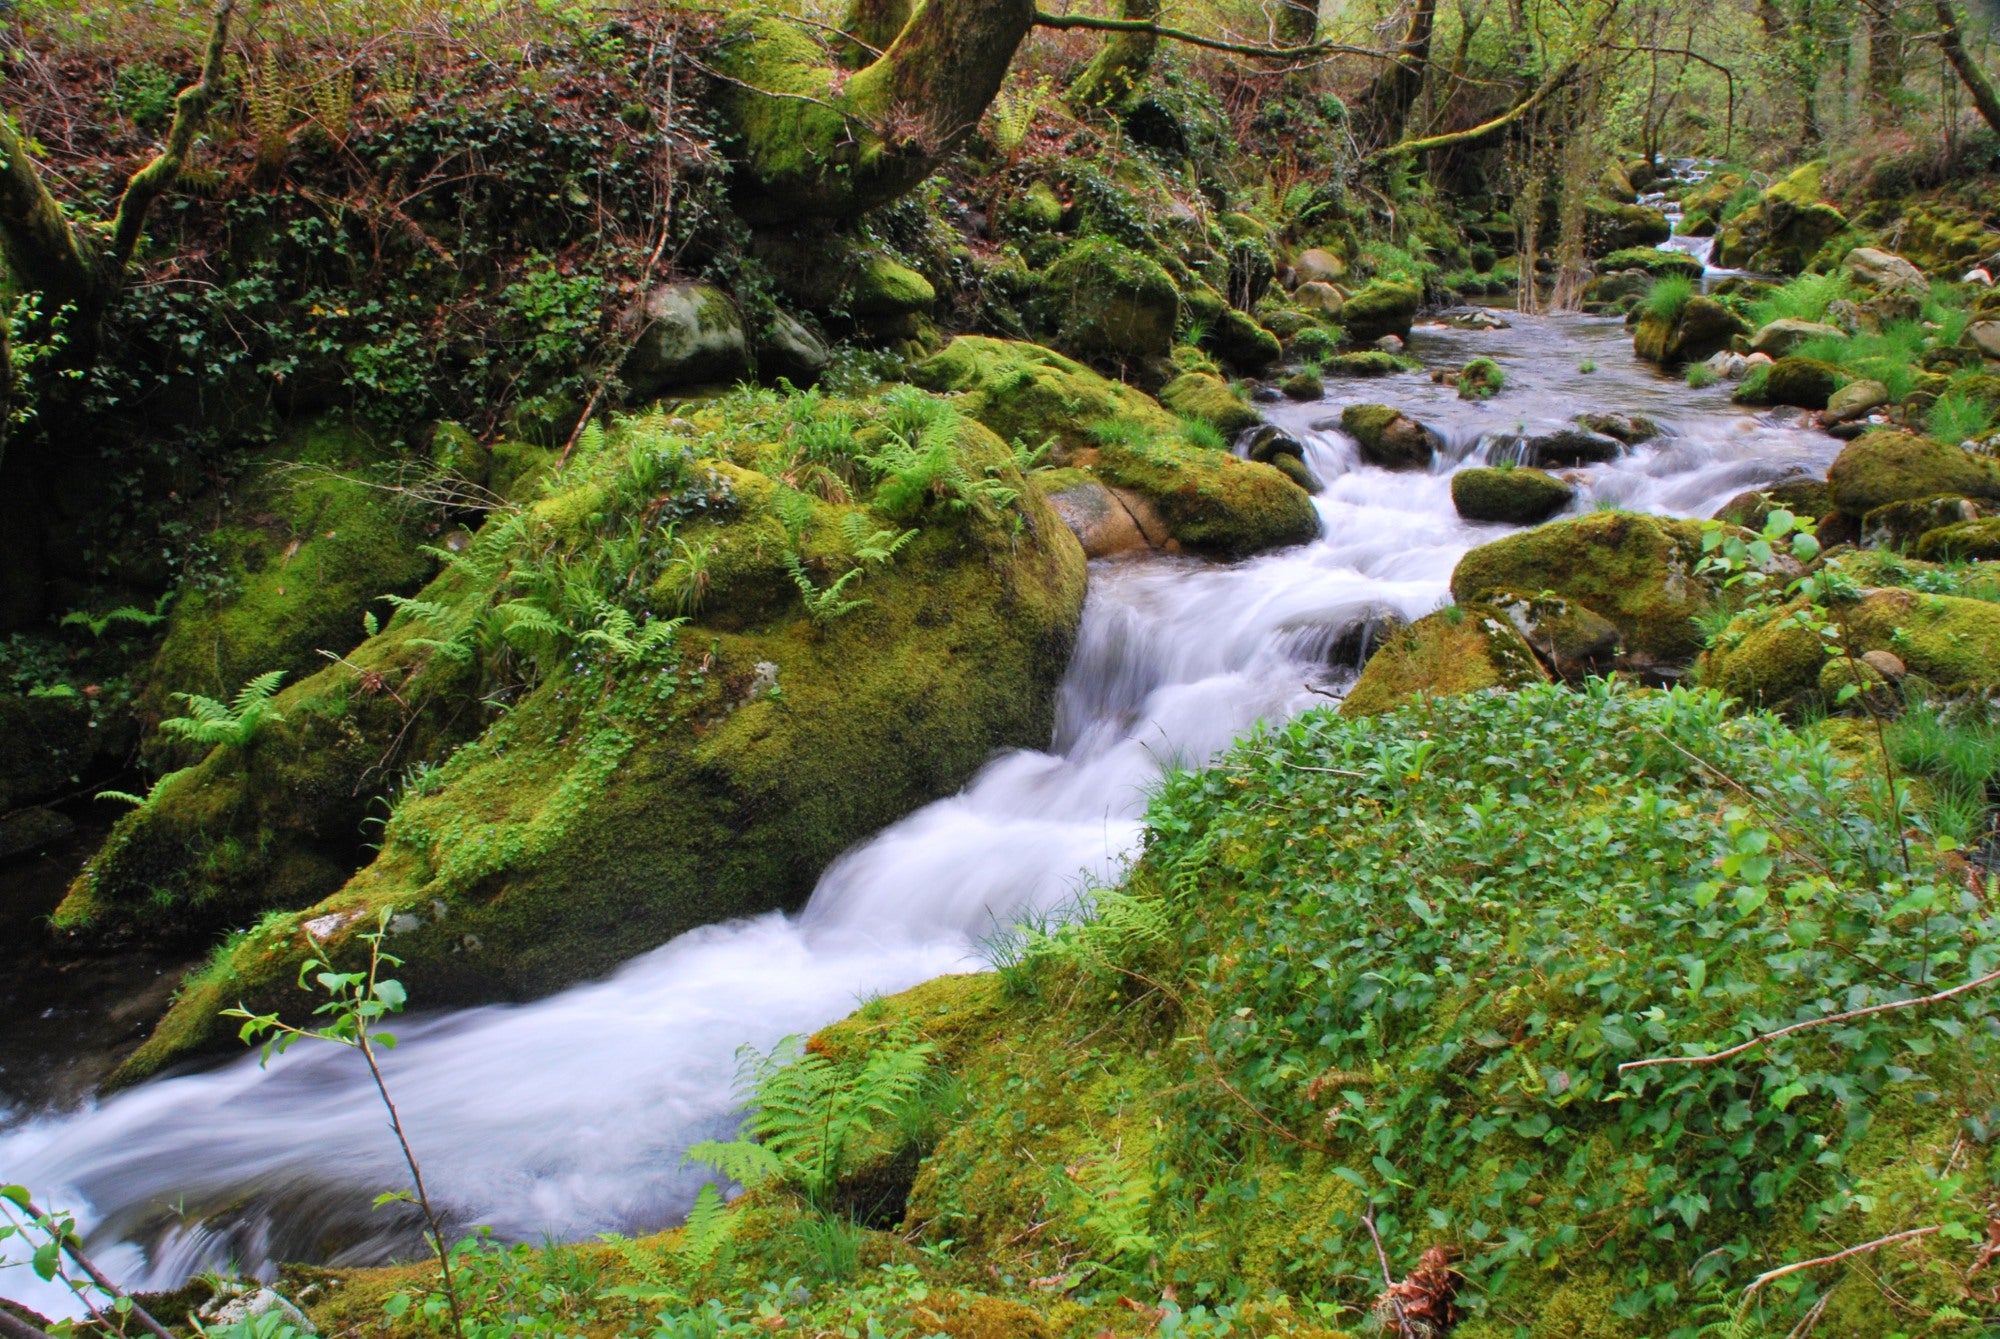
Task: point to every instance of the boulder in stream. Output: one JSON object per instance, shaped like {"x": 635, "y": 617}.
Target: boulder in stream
{"x": 1885, "y": 467}
{"x": 1388, "y": 437}
{"x": 1516, "y": 496}
{"x": 1466, "y": 648}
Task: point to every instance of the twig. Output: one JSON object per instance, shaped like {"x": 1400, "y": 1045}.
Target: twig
{"x": 1388, "y": 1283}
{"x": 67, "y": 1241}
{"x": 1068, "y": 21}
{"x": 1837, "y": 1256}
{"x": 13, "y": 1327}
{"x": 1822, "y": 1021}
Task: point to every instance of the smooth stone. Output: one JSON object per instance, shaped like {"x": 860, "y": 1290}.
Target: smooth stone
{"x": 1885, "y": 270}
{"x": 1781, "y": 337}
{"x": 1985, "y": 336}
{"x": 1854, "y": 400}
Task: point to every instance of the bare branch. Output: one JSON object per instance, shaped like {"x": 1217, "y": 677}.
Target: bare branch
{"x": 1864, "y": 1247}
{"x": 1260, "y": 52}
{"x": 1846, "y": 1017}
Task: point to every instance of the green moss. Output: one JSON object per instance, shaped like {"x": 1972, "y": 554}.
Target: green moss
{"x": 314, "y": 539}
{"x": 1030, "y": 394}
{"x": 1104, "y": 300}
{"x": 1239, "y": 341}
{"x": 1365, "y": 363}
{"x": 1977, "y": 540}
{"x": 882, "y": 287}
{"x": 1511, "y": 497}
{"x": 1035, "y": 210}
{"x": 1381, "y": 307}
{"x": 1465, "y": 649}
{"x": 1652, "y": 260}
{"x": 1765, "y": 661}
{"x": 1807, "y": 383}
{"x": 1883, "y": 467}
{"x": 1481, "y": 379}
{"x": 1209, "y": 398}
{"x": 1388, "y": 437}
{"x": 1638, "y": 572}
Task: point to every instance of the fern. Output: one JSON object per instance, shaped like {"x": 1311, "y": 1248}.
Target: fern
{"x": 807, "y": 1111}
{"x": 794, "y": 511}
{"x": 99, "y": 624}
{"x": 1013, "y": 114}
{"x": 919, "y": 462}
{"x": 1112, "y": 1203}
{"x": 824, "y": 606}
{"x": 872, "y": 547}
{"x": 237, "y": 722}
{"x": 149, "y": 799}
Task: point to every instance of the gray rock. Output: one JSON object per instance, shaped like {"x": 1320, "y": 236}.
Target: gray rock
{"x": 693, "y": 336}
{"x": 1886, "y": 271}
{"x": 1317, "y": 266}
{"x": 1854, "y": 400}
{"x": 244, "y": 1305}
{"x": 1110, "y": 520}
{"x": 1567, "y": 447}
{"x": 27, "y": 830}
{"x": 1630, "y": 429}
{"x": 1318, "y": 296}
{"x": 1390, "y": 343}
{"x": 1985, "y": 336}
{"x": 1268, "y": 441}
{"x": 1780, "y": 337}
{"x": 787, "y": 349}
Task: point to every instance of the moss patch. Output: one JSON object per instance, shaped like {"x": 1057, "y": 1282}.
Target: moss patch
{"x": 1464, "y": 649}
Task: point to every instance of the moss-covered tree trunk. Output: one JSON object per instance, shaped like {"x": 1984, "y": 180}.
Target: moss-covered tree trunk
{"x": 1953, "y": 41}
{"x": 872, "y": 25}
{"x": 1396, "y": 91}
{"x": 1296, "y": 23}
{"x": 816, "y": 141}
{"x": 1115, "y": 74}
{"x": 1887, "y": 59}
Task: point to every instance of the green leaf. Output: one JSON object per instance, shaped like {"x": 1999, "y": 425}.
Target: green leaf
{"x": 391, "y": 993}
{"x": 18, "y": 1194}
{"x": 47, "y": 1257}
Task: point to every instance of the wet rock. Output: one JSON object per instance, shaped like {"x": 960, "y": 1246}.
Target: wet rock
{"x": 1785, "y": 229}
{"x": 1109, "y": 521}
{"x": 1241, "y": 342}
{"x": 693, "y": 335}
{"x": 1780, "y": 337}
{"x": 1885, "y": 270}
{"x": 1615, "y": 227}
{"x": 1269, "y": 442}
{"x": 1855, "y": 400}
{"x": 1517, "y": 496}
{"x": 1630, "y": 429}
{"x": 1390, "y": 344}
{"x": 1803, "y": 383}
{"x": 1388, "y": 437}
{"x": 27, "y": 830}
{"x": 1571, "y": 641}
{"x": 1479, "y": 318}
{"x": 1209, "y": 398}
{"x": 1323, "y": 299}
{"x": 788, "y": 349}
{"x": 1480, "y": 379}
{"x": 1363, "y": 363}
{"x": 1316, "y": 266}
{"x": 1978, "y": 276}
{"x": 1302, "y": 386}
{"x": 1900, "y": 525}
{"x": 247, "y": 1307}
{"x": 1885, "y": 467}
{"x": 1803, "y": 496}
{"x": 1885, "y": 663}
{"x": 1704, "y": 327}
{"x": 1295, "y": 469}
{"x": 1568, "y": 447}
{"x": 1381, "y": 307}
{"x": 1464, "y": 649}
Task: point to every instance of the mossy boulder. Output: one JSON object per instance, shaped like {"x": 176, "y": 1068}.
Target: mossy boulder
{"x": 1035, "y": 210}
{"x": 1883, "y": 467}
{"x": 1702, "y": 328}
{"x": 1365, "y": 363}
{"x": 1901, "y": 525}
{"x": 1519, "y": 496}
{"x": 631, "y": 795}
{"x": 1381, "y": 307}
{"x": 1650, "y": 260}
{"x": 311, "y": 542}
{"x": 1388, "y": 437}
{"x": 1238, "y": 340}
{"x": 1611, "y": 227}
{"x": 1480, "y": 379}
{"x": 1636, "y": 572}
{"x": 1786, "y": 228}
{"x": 1107, "y": 302}
{"x": 1210, "y": 501}
{"x": 1804, "y": 383}
{"x": 690, "y": 335}
{"x": 1464, "y": 649}
{"x": 1209, "y": 398}
{"x": 1802, "y": 497}
{"x": 1303, "y": 387}
{"x": 1571, "y": 641}
{"x": 1977, "y": 540}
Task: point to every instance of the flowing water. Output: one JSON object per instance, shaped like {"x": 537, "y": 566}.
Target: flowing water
{"x": 568, "y": 1117}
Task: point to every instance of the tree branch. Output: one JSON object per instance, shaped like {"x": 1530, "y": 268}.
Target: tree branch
{"x": 1865, "y": 1246}
{"x": 151, "y": 181}
{"x": 1520, "y": 109}
{"x": 1847, "y": 1017}
{"x": 39, "y": 246}
{"x": 13, "y": 1327}
{"x": 1316, "y": 49}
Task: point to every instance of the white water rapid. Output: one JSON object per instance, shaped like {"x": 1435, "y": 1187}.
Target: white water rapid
{"x": 568, "y": 1117}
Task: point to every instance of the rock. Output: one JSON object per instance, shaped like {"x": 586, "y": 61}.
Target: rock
{"x": 1106, "y": 301}
{"x": 27, "y": 830}
{"x": 1035, "y": 210}
{"x": 1884, "y": 270}
{"x": 1518, "y": 496}
{"x": 1209, "y": 398}
{"x": 1729, "y": 366}
{"x": 1615, "y": 186}
{"x": 1388, "y": 437}
{"x": 1703, "y": 327}
{"x": 1637, "y": 572}
{"x": 1651, "y": 261}
{"x": 1241, "y": 342}
{"x": 1295, "y": 469}
{"x": 1978, "y": 276}
{"x": 1316, "y": 266}
{"x": 1381, "y": 307}
{"x": 1631, "y": 429}
{"x": 1390, "y": 344}
{"x": 1804, "y": 383}
{"x": 1364, "y": 363}
{"x": 1885, "y": 467}
{"x": 1323, "y": 298}
{"x": 1885, "y": 663}
{"x": 883, "y": 289}
{"x": 1785, "y": 229}
{"x": 1571, "y": 642}
{"x": 1269, "y": 442}
{"x": 1855, "y": 400}
{"x": 1303, "y": 387}
{"x": 1973, "y": 540}
{"x": 1479, "y": 318}
{"x": 46, "y": 745}
{"x": 1985, "y": 336}
{"x": 1465, "y": 649}
{"x": 1782, "y": 336}
{"x": 1480, "y": 379}
{"x": 693, "y": 336}
{"x": 1566, "y": 448}
{"x": 242, "y": 1307}
{"x": 788, "y": 349}
{"x": 1612, "y": 227}
{"x": 1802, "y": 497}
{"x": 1900, "y": 525}
{"x": 1108, "y": 521}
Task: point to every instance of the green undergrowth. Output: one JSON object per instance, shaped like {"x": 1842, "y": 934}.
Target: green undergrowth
{"x": 1380, "y": 975}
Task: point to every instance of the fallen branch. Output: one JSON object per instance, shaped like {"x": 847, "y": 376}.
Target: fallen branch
{"x": 1311, "y": 51}
{"x": 1837, "y": 1256}
{"x": 1388, "y": 1280}
{"x": 1846, "y": 1017}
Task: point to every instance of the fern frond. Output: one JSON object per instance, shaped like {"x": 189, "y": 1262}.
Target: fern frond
{"x": 745, "y": 1163}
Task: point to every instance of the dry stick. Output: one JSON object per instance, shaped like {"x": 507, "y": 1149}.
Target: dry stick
{"x": 1822, "y": 1021}
{"x": 75, "y": 1252}
{"x": 1388, "y": 1284}
{"x": 1863, "y": 1248}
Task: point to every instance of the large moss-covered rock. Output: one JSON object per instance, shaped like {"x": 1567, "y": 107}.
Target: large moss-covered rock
{"x": 1805, "y": 383}
{"x": 1204, "y": 396}
{"x": 631, "y": 794}
{"x": 1650, "y": 260}
{"x": 1105, "y": 301}
{"x": 1388, "y": 437}
{"x": 1571, "y": 641}
{"x": 1512, "y": 497}
{"x": 1210, "y": 500}
{"x": 691, "y": 334}
{"x": 1702, "y": 328}
{"x": 1883, "y": 467}
{"x": 1900, "y": 525}
{"x": 1802, "y": 497}
{"x": 1612, "y": 227}
{"x": 313, "y": 539}
{"x": 1239, "y": 341}
{"x": 1636, "y": 572}
{"x": 1381, "y": 307}
{"x": 1463, "y": 649}
{"x": 1974, "y": 540}
{"x": 1785, "y": 229}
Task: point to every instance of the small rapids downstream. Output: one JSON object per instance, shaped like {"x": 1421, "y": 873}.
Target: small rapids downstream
{"x": 568, "y": 1117}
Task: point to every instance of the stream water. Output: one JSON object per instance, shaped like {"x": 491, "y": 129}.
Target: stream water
{"x": 568, "y": 1117}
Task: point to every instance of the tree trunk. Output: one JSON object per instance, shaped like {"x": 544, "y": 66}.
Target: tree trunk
{"x": 1297, "y": 22}
{"x": 1969, "y": 73}
{"x": 873, "y": 24}
{"x": 1115, "y": 74}
{"x": 1886, "y": 62}
{"x": 42, "y": 251}
{"x": 1397, "y": 89}
{"x": 816, "y": 142}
